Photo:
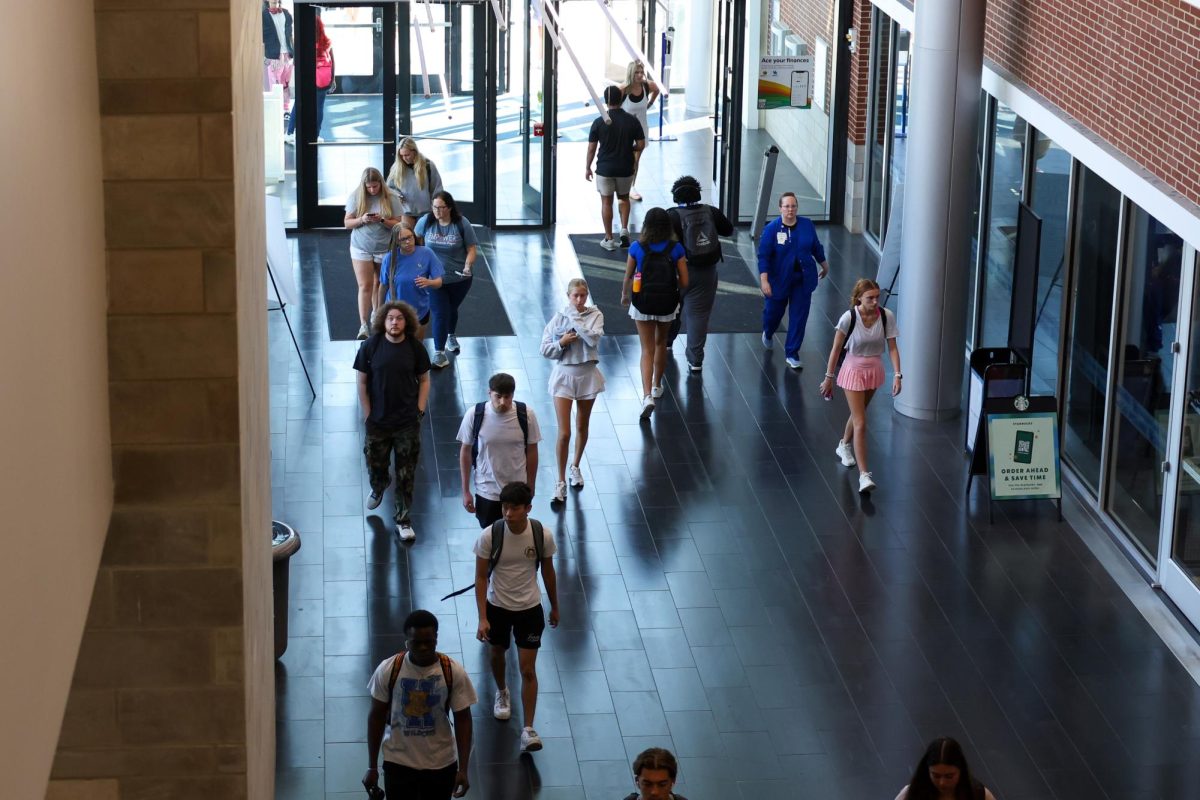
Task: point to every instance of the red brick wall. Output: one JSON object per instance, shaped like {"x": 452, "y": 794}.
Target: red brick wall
{"x": 1128, "y": 70}
{"x": 860, "y": 73}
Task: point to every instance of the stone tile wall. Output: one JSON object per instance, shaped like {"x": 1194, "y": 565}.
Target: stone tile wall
{"x": 173, "y": 688}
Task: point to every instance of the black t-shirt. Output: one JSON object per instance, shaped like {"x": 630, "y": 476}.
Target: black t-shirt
{"x": 392, "y": 379}
{"x": 614, "y": 157}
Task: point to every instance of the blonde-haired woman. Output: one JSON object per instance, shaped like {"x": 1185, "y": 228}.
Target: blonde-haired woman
{"x": 865, "y": 331}
{"x": 638, "y": 95}
{"x": 416, "y": 179}
{"x": 371, "y": 211}
{"x": 572, "y": 340}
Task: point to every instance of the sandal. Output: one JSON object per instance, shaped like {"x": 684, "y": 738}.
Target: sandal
{"x": 635, "y": 197}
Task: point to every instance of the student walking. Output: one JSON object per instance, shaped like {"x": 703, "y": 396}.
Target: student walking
{"x": 508, "y": 555}
{"x": 943, "y": 774}
{"x": 448, "y": 234}
{"x": 499, "y": 440}
{"x": 614, "y": 146}
{"x": 654, "y": 772}
{"x": 655, "y": 272}
{"x": 414, "y": 696}
{"x": 638, "y": 94}
{"x": 864, "y": 331}
{"x": 572, "y": 340}
{"x": 371, "y": 211}
{"x": 411, "y": 272}
{"x": 393, "y": 391}
{"x": 415, "y": 178}
{"x": 697, "y": 226}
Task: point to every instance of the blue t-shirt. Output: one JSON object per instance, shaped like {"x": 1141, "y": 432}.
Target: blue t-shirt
{"x": 637, "y": 252}
{"x": 422, "y": 262}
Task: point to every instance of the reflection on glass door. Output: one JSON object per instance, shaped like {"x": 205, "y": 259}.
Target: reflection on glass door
{"x": 355, "y": 131}
{"x": 1049, "y": 195}
{"x": 1181, "y": 573}
{"x": 1144, "y": 374}
{"x": 525, "y": 127}
{"x": 1094, "y": 270}
{"x": 435, "y": 93}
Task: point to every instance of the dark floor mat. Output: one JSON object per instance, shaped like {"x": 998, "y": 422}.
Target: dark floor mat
{"x": 481, "y": 314}
{"x": 738, "y": 307}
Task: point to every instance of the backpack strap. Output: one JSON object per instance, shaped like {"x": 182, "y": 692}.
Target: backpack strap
{"x": 523, "y": 420}
{"x": 476, "y": 424}
{"x": 497, "y": 546}
{"x": 539, "y": 541}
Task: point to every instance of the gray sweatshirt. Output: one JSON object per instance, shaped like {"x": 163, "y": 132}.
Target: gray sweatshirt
{"x": 589, "y": 324}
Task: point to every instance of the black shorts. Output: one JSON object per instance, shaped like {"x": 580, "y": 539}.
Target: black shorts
{"x": 524, "y": 626}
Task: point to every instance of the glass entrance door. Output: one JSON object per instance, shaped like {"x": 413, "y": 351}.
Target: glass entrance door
{"x": 526, "y": 121}
{"x": 440, "y": 88}
{"x": 389, "y": 87}
{"x": 1180, "y": 556}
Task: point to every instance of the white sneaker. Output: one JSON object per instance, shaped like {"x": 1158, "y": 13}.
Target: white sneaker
{"x": 624, "y": 237}
{"x": 530, "y": 741}
{"x": 406, "y": 532}
{"x": 452, "y": 343}
{"x": 846, "y": 453}
{"x": 610, "y": 244}
{"x": 647, "y": 407}
{"x": 794, "y": 363}
{"x": 767, "y": 342}
{"x": 865, "y": 483}
{"x": 656, "y": 392}
{"x": 502, "y": 709}
{"x": 362, "y": 331}
{"x": 560, "y": 492}
{"x": 575, "y": 477}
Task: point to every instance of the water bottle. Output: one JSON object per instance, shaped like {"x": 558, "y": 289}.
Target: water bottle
{"x": 637, "y": 281}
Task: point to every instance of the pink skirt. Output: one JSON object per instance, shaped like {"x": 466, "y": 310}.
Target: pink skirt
{"x": 861, "y": 373}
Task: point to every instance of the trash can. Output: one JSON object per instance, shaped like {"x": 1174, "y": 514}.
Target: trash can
{"x": 284, "y": 544}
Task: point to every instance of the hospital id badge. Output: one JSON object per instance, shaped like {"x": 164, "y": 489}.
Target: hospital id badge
{"x": 781, "y": 238}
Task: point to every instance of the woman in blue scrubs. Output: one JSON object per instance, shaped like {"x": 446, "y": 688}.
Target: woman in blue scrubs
{"x": 789, "y": 253}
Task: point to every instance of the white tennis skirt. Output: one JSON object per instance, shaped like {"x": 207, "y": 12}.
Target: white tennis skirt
{"x": 576, "y": 381}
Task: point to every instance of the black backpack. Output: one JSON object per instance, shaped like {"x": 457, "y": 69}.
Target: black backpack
{"x": 477, "y": 423}
{"x": 660, "y": 283}
{"x": 700, "y": 238}
{"x": 539, "y": 547}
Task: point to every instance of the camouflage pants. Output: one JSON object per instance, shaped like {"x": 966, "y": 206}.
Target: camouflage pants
{"x": 379, "y": 447}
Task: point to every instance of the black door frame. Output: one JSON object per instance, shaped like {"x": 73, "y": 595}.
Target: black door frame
{"x": 389, "y": 18}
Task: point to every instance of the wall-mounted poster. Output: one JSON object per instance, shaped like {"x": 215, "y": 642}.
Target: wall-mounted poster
{"x": 785, "y": 82}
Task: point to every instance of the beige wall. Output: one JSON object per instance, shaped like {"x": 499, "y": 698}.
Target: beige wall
{"x": 55, "y": 468}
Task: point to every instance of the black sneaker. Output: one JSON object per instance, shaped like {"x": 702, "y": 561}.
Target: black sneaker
{"x": 374, "y": 499}
{"x": 624, "y": 238}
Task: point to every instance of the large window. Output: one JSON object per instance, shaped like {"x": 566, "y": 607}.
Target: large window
{"x": 1008, "y": 159}
{"x": 1095, "y": 266}
{"x": 1144, "y": 372}
{"x": 1049, "y": 196}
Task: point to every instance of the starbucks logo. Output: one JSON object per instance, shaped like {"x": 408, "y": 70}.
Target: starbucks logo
{"x": 1021, "y": 402}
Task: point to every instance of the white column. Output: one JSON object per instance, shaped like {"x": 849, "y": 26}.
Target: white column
{"x": 698, "y": 94}
{"x": 935, "y": 250}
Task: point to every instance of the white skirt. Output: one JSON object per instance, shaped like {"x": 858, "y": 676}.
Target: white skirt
{"x": 576, "y": 381}
{"x": 638, "y": 316}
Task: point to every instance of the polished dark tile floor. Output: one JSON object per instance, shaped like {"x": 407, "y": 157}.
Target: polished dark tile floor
{"x": 725, "y": 592}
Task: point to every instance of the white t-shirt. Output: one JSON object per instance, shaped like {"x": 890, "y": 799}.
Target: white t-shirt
{"x": 869, "y": 341}
{"x": 501, "y": 448}
{"x": 514, "y": 584}
{"x": 418, "y": 732}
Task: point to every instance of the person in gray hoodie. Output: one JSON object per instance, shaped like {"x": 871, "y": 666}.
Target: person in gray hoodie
{"x": 572, "y": 340}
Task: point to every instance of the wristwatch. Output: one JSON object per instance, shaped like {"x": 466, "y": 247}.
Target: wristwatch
{"x": 899, "y": 376}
